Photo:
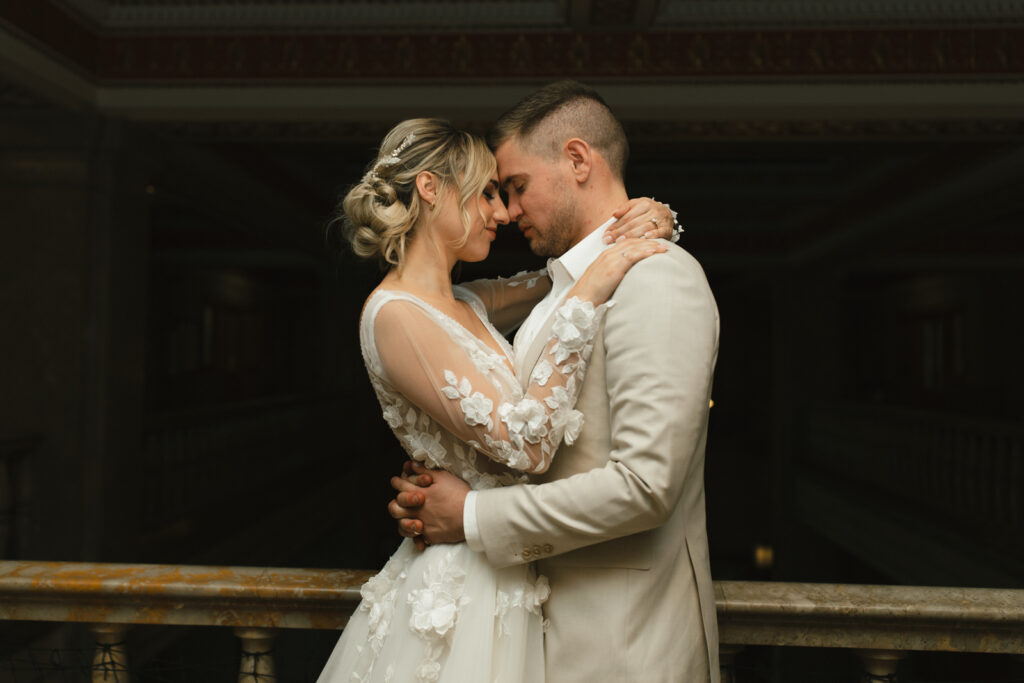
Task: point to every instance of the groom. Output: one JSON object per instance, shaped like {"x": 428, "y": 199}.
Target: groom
{"x": 617, "y": 523}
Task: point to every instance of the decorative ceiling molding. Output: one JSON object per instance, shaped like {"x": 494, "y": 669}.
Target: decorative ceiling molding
{"x": 703, "y": 55}
{"x": 850, "y": 53}
{"x": 729, "y": 83}
{"x": 820, "y": 53}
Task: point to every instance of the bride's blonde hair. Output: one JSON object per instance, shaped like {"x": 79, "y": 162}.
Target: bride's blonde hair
{"x": 379, "y": 212}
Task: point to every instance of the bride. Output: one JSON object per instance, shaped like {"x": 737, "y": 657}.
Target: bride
{"x": 442, "y": 372}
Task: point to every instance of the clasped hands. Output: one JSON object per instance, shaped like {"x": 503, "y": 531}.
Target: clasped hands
{"x": 428, "y": 505}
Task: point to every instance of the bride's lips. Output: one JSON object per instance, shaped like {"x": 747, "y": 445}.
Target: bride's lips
{"x": 493, "y": 231}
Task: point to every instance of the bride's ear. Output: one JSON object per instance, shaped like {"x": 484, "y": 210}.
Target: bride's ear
{"x": 427, "y": 186}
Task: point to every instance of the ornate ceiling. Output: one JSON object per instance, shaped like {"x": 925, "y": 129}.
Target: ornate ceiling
{"x": 782, "y": 126}
{"x": 138, "y": 41}
{"x": 694, "y": 61}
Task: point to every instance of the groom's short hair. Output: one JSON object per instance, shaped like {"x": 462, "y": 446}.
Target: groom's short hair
{"x": 559, "y": 111}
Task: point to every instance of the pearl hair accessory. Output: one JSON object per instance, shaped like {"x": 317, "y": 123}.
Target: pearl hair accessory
{"x": 390, "y": 160}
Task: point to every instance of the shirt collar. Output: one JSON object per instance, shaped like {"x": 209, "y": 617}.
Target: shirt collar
{"x": 583, "y": 253}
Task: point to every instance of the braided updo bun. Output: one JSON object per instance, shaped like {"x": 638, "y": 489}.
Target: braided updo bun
{"x": 380, "y": 212}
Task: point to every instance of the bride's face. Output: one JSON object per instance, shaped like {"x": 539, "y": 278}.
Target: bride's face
{"x": 486, "y": 213}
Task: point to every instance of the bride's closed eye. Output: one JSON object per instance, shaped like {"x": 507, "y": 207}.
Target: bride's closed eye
{"x": 491, "y": 190}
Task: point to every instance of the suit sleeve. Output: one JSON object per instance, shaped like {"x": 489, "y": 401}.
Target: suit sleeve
{"x": 661, "y": 342}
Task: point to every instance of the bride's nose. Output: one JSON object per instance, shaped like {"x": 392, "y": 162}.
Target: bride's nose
{"x": 501, "y": 214}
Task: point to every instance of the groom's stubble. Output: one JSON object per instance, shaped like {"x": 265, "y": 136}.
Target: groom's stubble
{"x": 554, "y": 239}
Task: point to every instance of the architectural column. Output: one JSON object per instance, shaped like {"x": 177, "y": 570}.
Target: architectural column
{"x": 880, "y": 665}
{"x": 257, "y": 655}
{"x": 110, "y": 662}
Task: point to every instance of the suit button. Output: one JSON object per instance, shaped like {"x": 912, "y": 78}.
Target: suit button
{"x": 526, "y": 553}
{"x": 537, "y": 550}
{"x": 548, "y": 548}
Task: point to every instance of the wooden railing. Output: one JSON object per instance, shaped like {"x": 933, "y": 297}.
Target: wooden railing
{"x": 880, "y": 622}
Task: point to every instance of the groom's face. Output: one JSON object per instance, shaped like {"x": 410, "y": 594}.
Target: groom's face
{"x": 541, "y": 199}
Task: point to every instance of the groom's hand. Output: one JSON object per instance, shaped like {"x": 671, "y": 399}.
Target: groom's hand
{"x": 429, "y": 505}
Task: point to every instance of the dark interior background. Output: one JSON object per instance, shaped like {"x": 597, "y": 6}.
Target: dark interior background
{"x": 180, "y": 377}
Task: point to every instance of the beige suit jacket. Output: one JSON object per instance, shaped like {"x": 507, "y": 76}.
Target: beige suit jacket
{"x": 618, "y": 523}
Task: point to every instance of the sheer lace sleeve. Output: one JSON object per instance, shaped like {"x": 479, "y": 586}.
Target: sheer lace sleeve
{"x": 483, "y": 404}
{"x": 508, "y": 300}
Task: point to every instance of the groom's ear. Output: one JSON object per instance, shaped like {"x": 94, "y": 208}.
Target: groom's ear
{"x": 580, "y": 157}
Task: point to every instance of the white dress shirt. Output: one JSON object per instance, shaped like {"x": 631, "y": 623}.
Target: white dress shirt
{"x": 564, "y": 271}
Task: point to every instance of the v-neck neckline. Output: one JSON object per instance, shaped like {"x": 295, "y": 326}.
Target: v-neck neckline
{"x": 503, "y": 346}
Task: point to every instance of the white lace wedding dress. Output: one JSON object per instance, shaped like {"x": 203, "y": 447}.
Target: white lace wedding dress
{"x": 452, "y": 399}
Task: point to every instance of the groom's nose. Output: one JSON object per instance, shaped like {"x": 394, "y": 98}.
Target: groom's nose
{"x": 514, "y": 210}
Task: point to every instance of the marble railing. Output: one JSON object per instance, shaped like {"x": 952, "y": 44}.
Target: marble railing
{"x": 880, "y": 622}
{"x": 253, "y": 601}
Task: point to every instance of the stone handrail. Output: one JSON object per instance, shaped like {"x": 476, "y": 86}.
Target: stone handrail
{"x": 880, "y": 622}
{"x": 252, "y": 597}
{"x": 871, "y": 617}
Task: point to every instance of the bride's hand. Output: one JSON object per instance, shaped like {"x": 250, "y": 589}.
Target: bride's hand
{"x": 641, "y": 217}
{"x": 428, "y": 505}
{"x": 601, "y": 278}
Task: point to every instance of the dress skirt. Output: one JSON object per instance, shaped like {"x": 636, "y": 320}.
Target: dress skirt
{"x": 443, "y": 615}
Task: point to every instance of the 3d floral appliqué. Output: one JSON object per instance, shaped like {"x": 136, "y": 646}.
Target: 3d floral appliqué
{"x": 435, "y": 608}
{"x": 574, "y": 326}
{"x": 525, "y": 419}
{"x": 541, "y": 373}
{"x": 565, "y": 419}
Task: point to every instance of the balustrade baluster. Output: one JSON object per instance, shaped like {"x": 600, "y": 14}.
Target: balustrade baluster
{"x": 880, "y": 665}
{"x": 257, "y": 655}
{"x": 110, "y": 662}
